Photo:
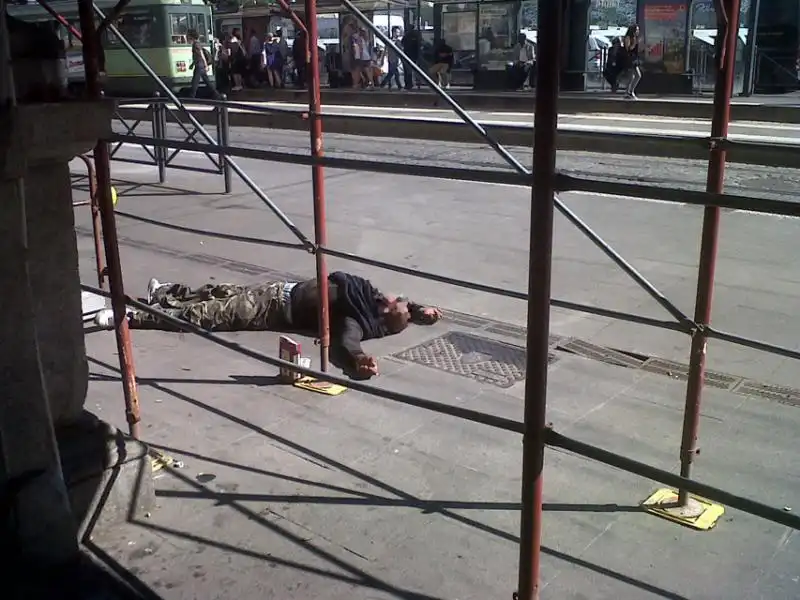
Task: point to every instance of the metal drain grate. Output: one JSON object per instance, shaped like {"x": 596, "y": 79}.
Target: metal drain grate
{"x": 681, "y": 371}
{"x": 519, "y": 332}
{"x": 516, "y": 331}
{"x": 776, "y": 393}
{"x": 600, "y": 353}
{"x": 464, "y": 319}
{"x": 472, "y": 356}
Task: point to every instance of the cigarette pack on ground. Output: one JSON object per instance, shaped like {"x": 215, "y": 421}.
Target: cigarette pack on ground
{"x": 288, "y": 350}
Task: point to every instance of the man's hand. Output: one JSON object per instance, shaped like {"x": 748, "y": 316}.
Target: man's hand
{"x": 366, "y": 366}
{"x": 431, "y": 315}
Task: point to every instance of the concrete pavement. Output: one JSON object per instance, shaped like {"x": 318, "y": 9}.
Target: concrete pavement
{"x": 286, "y": 494}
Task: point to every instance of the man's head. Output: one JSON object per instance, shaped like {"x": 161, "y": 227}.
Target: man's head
{"x": 395, "y": 314}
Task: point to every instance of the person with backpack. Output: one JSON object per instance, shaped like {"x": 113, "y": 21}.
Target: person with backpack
{"x": 201, "y": 58}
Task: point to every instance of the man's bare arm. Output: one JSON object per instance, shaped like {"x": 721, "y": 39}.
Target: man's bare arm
{"x": 349, "y": 340}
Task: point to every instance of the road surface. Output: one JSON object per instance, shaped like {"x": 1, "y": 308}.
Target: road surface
{"x": 759, "y": 181}
{"x": 589, "y": 121}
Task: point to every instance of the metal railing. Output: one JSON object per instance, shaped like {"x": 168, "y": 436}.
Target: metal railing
{"x": 743, "y": 149}
{"x": 157, "y": 113}
{"x": 545, "y": 183}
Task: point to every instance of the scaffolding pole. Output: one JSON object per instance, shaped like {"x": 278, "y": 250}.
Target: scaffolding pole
{"x": 727, "y": 28}
{"x": 318, "y": 182}
{"x": 97, "y": 225}
{"x": 539, "y": 278}
{"x": 91, "y": 47}
{"x": 67, "y": 25}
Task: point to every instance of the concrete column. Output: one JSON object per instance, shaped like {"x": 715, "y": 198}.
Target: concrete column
{"x": 44, "y": 374}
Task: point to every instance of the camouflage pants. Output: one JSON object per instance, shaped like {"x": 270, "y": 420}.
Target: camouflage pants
{"x": 222, "y": 307}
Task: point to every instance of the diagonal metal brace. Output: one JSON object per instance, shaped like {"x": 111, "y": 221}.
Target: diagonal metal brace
{"x": 679, "y": 315}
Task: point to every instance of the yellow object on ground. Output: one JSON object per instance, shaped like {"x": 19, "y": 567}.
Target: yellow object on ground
{"x": 699, "y": 513}
{"x": 113, "y": 195}
{"x": 322, "y": 387}
{"x": 159, "y": 460}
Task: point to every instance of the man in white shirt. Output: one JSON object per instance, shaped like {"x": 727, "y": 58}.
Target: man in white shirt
{"x": 525, "y": 61}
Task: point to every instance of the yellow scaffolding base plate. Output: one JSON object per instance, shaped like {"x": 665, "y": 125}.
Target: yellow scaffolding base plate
{"x": 159, "y": 460}
{"x": 699, "y": 513}
{"x": 321, "y": 387}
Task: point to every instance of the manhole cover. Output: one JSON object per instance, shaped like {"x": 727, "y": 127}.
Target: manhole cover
{"x": 681, "y": 371}
{"x": 479, "y": 358}
{"x": 776, "y": 393}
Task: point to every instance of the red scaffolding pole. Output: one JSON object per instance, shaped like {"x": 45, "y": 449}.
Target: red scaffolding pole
{"x": 91, "y": 51}
{"x": 727, "y": 38}
{"x": 318, "y": 180}
{"x": 543, "y": 191}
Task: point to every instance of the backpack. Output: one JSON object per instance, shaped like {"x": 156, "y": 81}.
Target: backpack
{"x": 207, "y": 56}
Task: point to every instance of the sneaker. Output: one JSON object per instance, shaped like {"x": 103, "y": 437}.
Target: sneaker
{"x": 152, "y": 286}
{"x": 105, "y": 318}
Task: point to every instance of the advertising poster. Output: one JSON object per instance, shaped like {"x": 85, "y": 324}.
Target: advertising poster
{"x": 663, "y": 25}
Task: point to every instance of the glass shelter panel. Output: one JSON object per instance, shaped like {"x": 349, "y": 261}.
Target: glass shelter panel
{"x": 702, "y": 29}
{"x": 459, "y": 27}
{"x": 497, "y": 34}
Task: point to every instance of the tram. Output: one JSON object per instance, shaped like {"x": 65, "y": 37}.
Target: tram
{"x": 157, "y": 29}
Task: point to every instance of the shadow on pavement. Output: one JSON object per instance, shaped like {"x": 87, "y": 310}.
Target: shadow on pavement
{"x": 444, "y": 509}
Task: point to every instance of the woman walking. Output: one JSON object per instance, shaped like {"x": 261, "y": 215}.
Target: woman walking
{"x": 631, "y": 45}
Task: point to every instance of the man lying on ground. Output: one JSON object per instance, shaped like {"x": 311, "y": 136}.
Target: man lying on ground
{"x": 358, "y": 311}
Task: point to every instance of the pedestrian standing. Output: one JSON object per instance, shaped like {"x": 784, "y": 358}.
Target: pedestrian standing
{"x": 631, "y": 44}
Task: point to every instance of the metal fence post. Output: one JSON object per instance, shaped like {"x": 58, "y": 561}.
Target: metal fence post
{"x": 223, "y": 139}
{"x": 159, "y": 133}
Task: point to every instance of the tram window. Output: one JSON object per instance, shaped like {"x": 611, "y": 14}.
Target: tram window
{"x": 200, "y": 26}
{"x": 179, "y": 28}
{"x": 180, "y": 25}
{"x": 136, "y": 28}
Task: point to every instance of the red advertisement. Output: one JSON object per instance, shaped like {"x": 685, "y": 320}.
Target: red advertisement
{"x": 663, "y": 25}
